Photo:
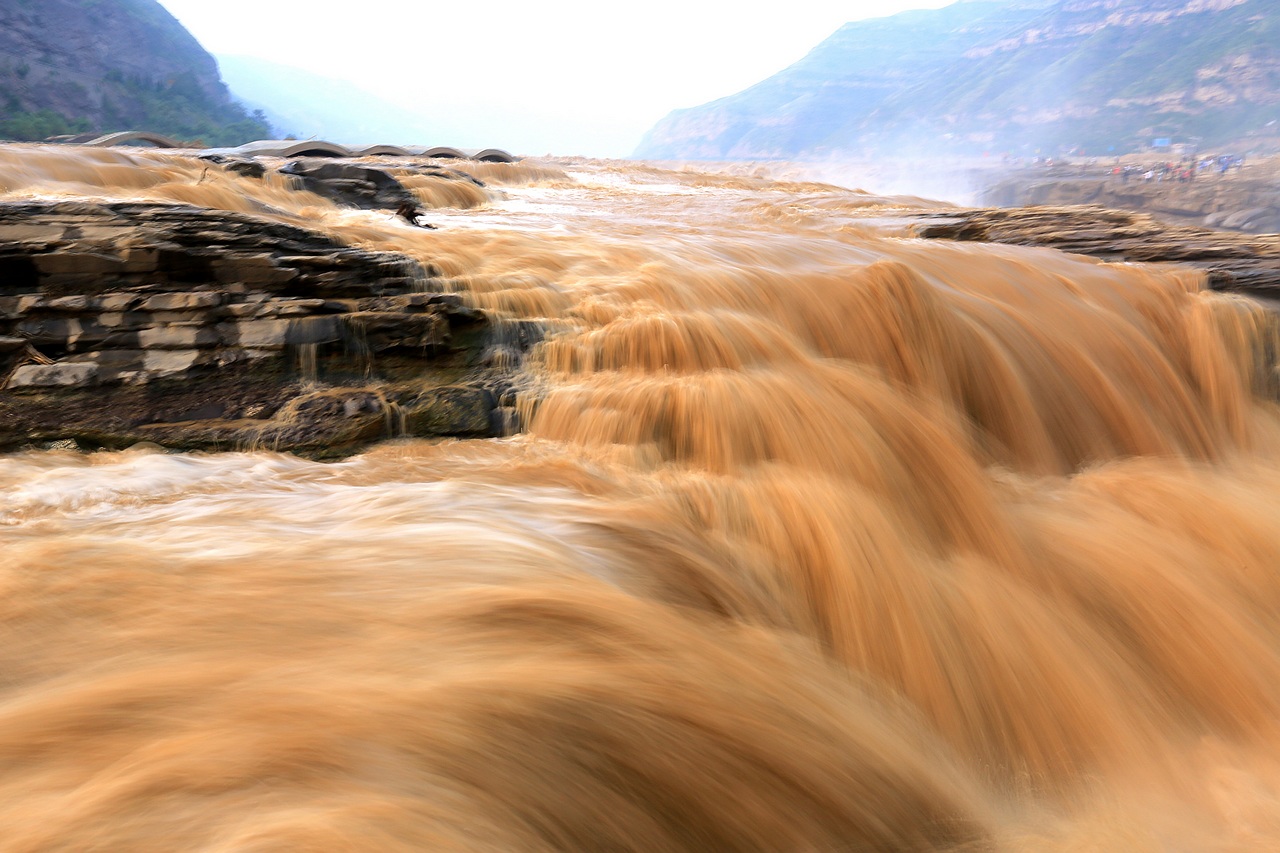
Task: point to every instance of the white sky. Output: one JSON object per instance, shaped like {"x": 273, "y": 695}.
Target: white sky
{"x": 558, "y": 76}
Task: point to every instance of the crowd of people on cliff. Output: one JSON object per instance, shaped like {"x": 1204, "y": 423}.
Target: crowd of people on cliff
{"x": 1183, "y": 171}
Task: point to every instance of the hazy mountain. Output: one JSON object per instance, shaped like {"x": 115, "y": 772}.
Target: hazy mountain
{"x": 105, "y": 65}
{"x": 309, "y": 105}
{"x": 998, "y": 75}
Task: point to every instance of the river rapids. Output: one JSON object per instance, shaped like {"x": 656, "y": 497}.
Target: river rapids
{"x": 818, "y": 538}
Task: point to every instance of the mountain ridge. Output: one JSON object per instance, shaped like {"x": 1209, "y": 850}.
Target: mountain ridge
{"x": 1003, "y": 75}
{"x": 107, "y": 65}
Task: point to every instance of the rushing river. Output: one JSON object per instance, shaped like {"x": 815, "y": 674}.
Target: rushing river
{"x": 819, "y": 538}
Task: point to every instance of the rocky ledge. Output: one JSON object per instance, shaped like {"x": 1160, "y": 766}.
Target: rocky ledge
{"x": 1235, "y": 262}
{"x": 197, "y": 329}
{"x": 1245, "y": 199}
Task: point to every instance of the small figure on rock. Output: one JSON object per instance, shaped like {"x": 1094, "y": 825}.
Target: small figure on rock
{"x": 409, "y": 212}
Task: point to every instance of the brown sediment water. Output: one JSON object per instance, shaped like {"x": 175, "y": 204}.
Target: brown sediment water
{"x": 819, "y": 538}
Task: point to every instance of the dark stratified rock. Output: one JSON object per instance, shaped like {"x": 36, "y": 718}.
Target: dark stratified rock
{"x": 191, "y": 328}
{"x": 1241, "y": 263}
{"x": 238, "y": 165}
{"x": 350, "y": 184}
{"x": 452, "y": 410}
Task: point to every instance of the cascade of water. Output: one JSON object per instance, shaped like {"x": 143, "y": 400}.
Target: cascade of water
{"x": 307, "y": 360}
{"x": 816, "y": 538}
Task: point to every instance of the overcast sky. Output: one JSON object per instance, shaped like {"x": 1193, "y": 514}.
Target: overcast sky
{"x": 558, "y": 76}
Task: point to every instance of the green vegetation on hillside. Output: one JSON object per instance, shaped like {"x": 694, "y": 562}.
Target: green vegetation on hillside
{"x": 101, "y": 66}
{"x": 33, "y": 126}
{"x": 176, "y": 108}
{"x": 179, "y": 108}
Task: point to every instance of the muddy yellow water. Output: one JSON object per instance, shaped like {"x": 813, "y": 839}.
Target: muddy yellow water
{"x": 819, "y": 538}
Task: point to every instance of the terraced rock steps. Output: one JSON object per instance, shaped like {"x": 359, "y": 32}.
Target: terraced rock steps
{"x": 192, "y": 328}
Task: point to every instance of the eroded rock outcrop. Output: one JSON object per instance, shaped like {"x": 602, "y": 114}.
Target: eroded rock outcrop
{"x": 122, "y": 322}
{"x": 350, "y": 184}
{"x": 357, "y": 185}
{"x": 1236, "y": 262}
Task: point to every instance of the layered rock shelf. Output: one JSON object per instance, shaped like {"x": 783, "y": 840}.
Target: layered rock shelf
{"x": 125, "y": 322}
{"x": 1246, "y": 199}
{"x": 1235, "y": 262}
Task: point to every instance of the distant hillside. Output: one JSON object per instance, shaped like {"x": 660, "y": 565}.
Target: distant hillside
{"x": 308, "y": 105}
{"x": 104, "y": 65}
{"x": 1005, "y": 75}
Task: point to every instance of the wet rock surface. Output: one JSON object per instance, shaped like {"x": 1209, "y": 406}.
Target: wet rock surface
{"x": 1234, "y": 262}
{"x": 192, "y": 328}
{"x": 247, "y": 167}
{"x": 350, "y": 184}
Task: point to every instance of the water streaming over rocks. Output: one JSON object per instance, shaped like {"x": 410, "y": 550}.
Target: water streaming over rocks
{"x": 817, "y": 537}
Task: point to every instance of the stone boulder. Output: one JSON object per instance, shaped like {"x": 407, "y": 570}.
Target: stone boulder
{"x": 239, "y": 165}
{"x": 57, "y": 375}
{"x": 350, "y": 184}
{"x": 452, "y": 410}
